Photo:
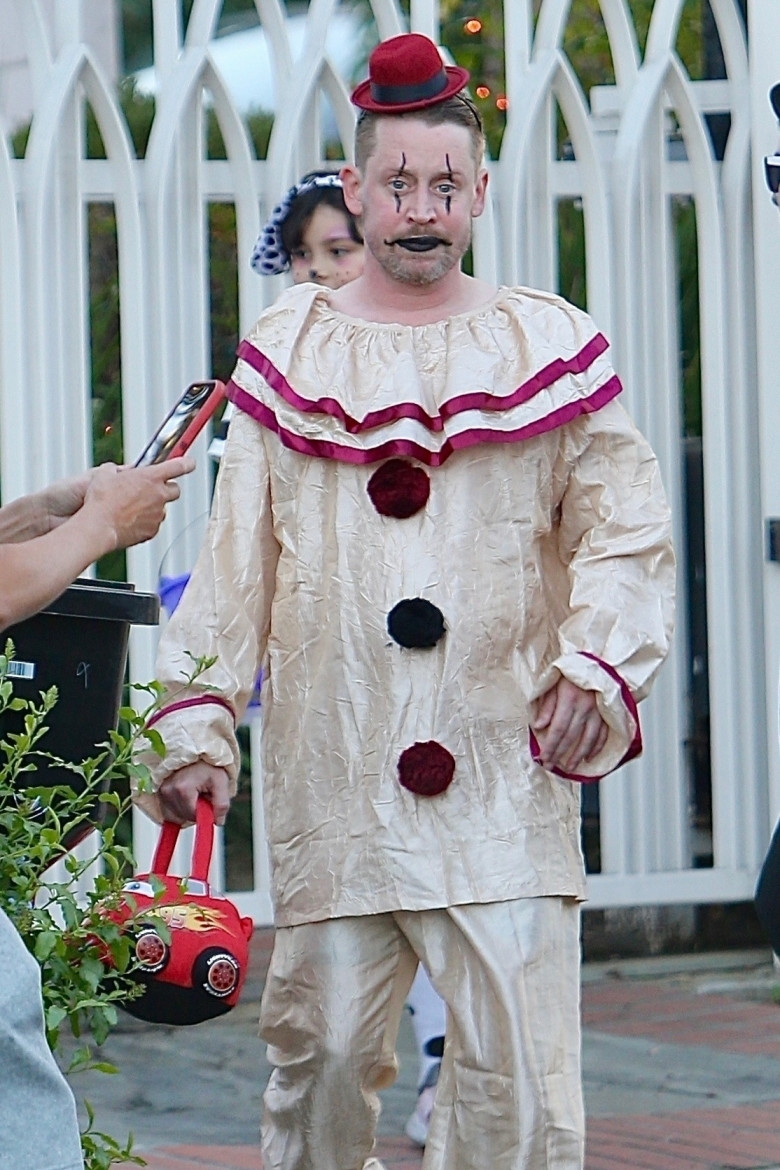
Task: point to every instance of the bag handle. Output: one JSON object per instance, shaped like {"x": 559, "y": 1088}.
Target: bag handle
{"x": 204, "y": 843}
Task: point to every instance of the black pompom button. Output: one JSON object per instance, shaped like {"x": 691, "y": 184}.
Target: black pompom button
{"x": 415, "y": 623}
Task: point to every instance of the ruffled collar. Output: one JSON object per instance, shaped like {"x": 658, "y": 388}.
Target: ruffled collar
{"x": 342, "y": 388}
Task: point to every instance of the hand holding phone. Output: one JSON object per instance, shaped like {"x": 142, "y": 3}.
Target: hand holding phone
{"x": 183, "y": 423}
{"x": 128, "y": 504}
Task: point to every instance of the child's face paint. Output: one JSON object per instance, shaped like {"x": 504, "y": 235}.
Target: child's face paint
{"x": 327, "y": 255}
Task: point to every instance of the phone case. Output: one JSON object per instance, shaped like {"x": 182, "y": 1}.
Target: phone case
{"x": 183, "y": 423}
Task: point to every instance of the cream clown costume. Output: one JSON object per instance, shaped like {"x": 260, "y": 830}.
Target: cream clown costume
{"x": 416, "y": 531}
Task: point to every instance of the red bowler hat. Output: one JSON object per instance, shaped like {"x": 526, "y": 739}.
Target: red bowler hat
{"x": 406, "y": 73}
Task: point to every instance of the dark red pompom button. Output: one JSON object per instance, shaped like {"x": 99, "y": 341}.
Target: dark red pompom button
{"x": 426, "y": 769}
{"x": 399, "y": 489}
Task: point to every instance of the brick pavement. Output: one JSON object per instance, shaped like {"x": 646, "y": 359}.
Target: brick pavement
{"x": 667, "y": 1014}
{"x": 738, "y": 1138}
{"x": 672, "y": 1012}
{"x": 681, "y": 1011}
{"x": 396, "y": 1154}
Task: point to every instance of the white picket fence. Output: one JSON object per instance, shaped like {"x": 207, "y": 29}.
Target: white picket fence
{"x": 627, "y": 179}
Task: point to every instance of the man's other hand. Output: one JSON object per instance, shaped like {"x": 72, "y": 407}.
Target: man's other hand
{"x": 568, "y": 726}
{"x": 178, "y": 794}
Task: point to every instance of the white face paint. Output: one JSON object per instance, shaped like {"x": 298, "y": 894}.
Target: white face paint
{"x": 420, "y": 191}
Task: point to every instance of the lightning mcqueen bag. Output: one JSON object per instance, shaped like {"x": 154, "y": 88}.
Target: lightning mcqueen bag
{"x": 194, "y": 969}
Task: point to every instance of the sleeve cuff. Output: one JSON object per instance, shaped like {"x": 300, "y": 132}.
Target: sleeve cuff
{"x": 193, "y": 729}
{"x": 616, "y": 706}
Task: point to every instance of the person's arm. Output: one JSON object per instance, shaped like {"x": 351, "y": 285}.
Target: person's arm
{"x": 37, "y": 513}
{"x": 48, "y": 538}
{"x": 614, "y": 536}
{"x": 225, "y": 612}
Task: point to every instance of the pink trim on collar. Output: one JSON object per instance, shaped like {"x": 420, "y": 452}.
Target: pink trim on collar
{"x": 634, "y": 748}
{"x": 479, "y": 400}
{"x": 326, "y": 449}
{"x": 196, "y": 702}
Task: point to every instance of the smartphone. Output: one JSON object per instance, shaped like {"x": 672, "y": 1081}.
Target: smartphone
{"x": 183, "y": 423}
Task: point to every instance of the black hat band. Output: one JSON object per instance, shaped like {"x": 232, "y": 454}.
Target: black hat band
{"x": 396, "y": 95}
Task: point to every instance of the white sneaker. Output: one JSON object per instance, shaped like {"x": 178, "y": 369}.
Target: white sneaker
{"x": 417, "y": 1125}
{"x": 373, "y": 1164}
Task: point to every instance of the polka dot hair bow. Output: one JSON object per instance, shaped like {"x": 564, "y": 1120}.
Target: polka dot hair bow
{"x": 269, "y": 256}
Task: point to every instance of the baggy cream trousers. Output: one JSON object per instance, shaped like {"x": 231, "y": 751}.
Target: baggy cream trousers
{"x": 509, "y": 1096}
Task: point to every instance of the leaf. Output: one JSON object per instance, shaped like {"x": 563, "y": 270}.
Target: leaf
{"x": 100, "y": 1028}
{"x": 156, "y": 741}
{"x": 91, "y": 971}
{"x": 54, "y": 1017}
{"x": 142, "y": 777}
{"x": 45, "y": 944}
{"x": 80, "y": 1058}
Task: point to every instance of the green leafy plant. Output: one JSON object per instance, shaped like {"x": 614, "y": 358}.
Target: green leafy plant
{"x": 86, "y": 960}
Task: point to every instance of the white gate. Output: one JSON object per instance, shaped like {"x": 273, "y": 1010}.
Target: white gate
{"x": 637, "y": 149}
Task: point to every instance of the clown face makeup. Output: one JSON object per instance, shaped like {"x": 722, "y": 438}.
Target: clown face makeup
{"x": 418, "y": 194}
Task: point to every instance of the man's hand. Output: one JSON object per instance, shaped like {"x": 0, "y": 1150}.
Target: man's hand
{"x": 179, "y": 792}
{"x": 131, "y": 501}
{"x": 568, "y": 726}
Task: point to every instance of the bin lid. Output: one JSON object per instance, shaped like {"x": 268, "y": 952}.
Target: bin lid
{"x": 107, "y": 601}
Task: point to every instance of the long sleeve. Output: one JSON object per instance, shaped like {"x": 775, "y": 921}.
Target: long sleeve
{"x": 540, "y": 535}
{"x": 614, "y": 537}
{"x": 224, "y": 612}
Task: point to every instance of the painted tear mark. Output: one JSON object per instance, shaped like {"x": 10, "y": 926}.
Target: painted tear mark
{"x": 400, "y": 172}
{"x": 448, "y": 198}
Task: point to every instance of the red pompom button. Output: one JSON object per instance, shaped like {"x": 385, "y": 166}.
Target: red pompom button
{"x": 399, "y": 489}
{"x": 426, "y": 769}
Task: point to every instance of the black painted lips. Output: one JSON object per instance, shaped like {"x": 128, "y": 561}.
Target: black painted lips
{"x": 420, "y": 243}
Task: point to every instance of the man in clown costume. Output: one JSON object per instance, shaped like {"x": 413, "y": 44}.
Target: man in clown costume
{"x": 449, "y": 548}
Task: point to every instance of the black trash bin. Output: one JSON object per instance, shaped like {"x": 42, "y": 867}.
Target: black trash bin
{"x": 78, "y": 644}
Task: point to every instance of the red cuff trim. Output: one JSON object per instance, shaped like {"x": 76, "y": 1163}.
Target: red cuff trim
{"x": 478, "y": 400}
{"x": 634, "y": 748}
{"x": 182, "y": 703}
{"x": 326, "y": 449}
